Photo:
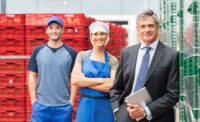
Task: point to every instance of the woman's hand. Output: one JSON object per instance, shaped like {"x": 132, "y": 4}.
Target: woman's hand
{"x": 77, "y": 77}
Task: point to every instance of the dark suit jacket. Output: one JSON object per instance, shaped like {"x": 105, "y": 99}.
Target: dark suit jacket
{"x": 161, "y": 82}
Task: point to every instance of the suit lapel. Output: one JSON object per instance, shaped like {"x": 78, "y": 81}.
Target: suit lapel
{"x": 156, "y": 59}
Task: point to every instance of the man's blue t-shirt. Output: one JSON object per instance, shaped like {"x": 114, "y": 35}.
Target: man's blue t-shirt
{"x": 53, "y": 66}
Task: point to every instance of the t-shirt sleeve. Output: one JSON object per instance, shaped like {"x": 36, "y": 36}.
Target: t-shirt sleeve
{"x": 32, "y": 65}
{"x": 113, "y": 62}
{"x": 73, "y": 59}
{"x": 80, "y": 57}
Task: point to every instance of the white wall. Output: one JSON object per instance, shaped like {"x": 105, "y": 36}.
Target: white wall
{"x": 97, "y": 7}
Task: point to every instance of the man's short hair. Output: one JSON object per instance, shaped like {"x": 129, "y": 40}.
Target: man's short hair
{"x": 147, "y": 13}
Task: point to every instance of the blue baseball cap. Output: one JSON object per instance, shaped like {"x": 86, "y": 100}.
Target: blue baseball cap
{"x": 54, "y": 19}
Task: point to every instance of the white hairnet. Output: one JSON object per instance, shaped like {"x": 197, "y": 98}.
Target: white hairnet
{"x": 99, "y": 27}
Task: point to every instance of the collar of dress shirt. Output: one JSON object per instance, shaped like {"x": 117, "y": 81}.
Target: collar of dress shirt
{"x": 152, "y": 45}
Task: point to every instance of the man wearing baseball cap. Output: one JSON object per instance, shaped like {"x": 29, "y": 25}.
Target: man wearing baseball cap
{"x": 50, "y": 67}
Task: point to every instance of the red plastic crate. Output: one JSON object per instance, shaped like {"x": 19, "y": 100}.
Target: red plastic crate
{"x": 28, "y": 115}
{"x": 28, "y": 103}
{"x": 11, "y": 51}
{"x": 12, "y": 91}
{"x": 117, "y": 32}
{"x": 76, "y": 32}
{"x": 12, "y": 103}
{"x": 29, "y": 51}
{"x": 12, "y": 19}
{"x": 37, "y": 19}
{"x": 69, "y": 31}
{"x": 75, "y": 19}
{"x": 26, "y": 73}
{"x": 123, "y": 44}
{"x": 78, "y": 49}
{"x": 68, "y": 19}
{"x": 28, "y": 100}
{"x": 36, "y": 31}
{"x": 12, "y": 66}
{"x": 119, "y": 35}
{"x": 117, "y": 55}
{"x": 77, "y": 42}
{"x": 124, "y": 33}
{"x": 115, "y": 44}
{"x": 12, "y": 115}
{"x": 12, "y": 78}
{"x": 12, "y": 42}
{"x": 11, "y": 31}
{"x": 91, "y": 20}
{"x": 33, "y": 42}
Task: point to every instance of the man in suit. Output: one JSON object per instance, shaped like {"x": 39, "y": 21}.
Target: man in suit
{"x": 150, "y": 64}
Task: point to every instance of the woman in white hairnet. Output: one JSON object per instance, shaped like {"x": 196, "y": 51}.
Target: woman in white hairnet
{"x": 94, "y": 72}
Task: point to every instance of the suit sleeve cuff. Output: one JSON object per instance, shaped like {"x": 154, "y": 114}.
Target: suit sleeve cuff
{"x": 148, "y": 113}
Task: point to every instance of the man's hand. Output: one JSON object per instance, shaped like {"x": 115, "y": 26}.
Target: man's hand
{"x": 135, "y": 111}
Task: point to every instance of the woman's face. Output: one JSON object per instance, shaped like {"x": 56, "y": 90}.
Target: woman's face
{"x": 99, "y": 39}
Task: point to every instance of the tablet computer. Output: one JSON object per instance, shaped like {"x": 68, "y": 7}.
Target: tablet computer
{"x": 141, "y": 97}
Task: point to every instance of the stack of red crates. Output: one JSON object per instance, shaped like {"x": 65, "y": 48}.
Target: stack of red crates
{"x": 28, "y": 105}
{"x": 12, "y": 34}
{"x": 12, "y": 90}
{"x": 117, "y": 39}
{"x": 12, "y": 71}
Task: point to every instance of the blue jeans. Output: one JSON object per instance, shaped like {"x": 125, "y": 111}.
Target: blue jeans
{"x": 42, "y": 113}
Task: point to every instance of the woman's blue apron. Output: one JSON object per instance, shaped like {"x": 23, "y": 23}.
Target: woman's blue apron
{"x": 94, "y": 106}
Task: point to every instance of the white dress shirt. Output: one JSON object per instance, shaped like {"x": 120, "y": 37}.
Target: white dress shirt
{"x": 140, "y": 55}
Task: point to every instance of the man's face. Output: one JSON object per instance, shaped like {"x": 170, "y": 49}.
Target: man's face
{"x": 147, "y": 30}
{"x": 54, "y": 31}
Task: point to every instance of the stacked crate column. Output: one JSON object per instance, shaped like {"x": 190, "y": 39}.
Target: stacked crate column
{"x": 12, "y": 90}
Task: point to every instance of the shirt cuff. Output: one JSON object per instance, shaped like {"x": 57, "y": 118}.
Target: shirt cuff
{"x": 115, "y": 112}
{"x": 116, "y": 109}
{"x": 148, "y": 113}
